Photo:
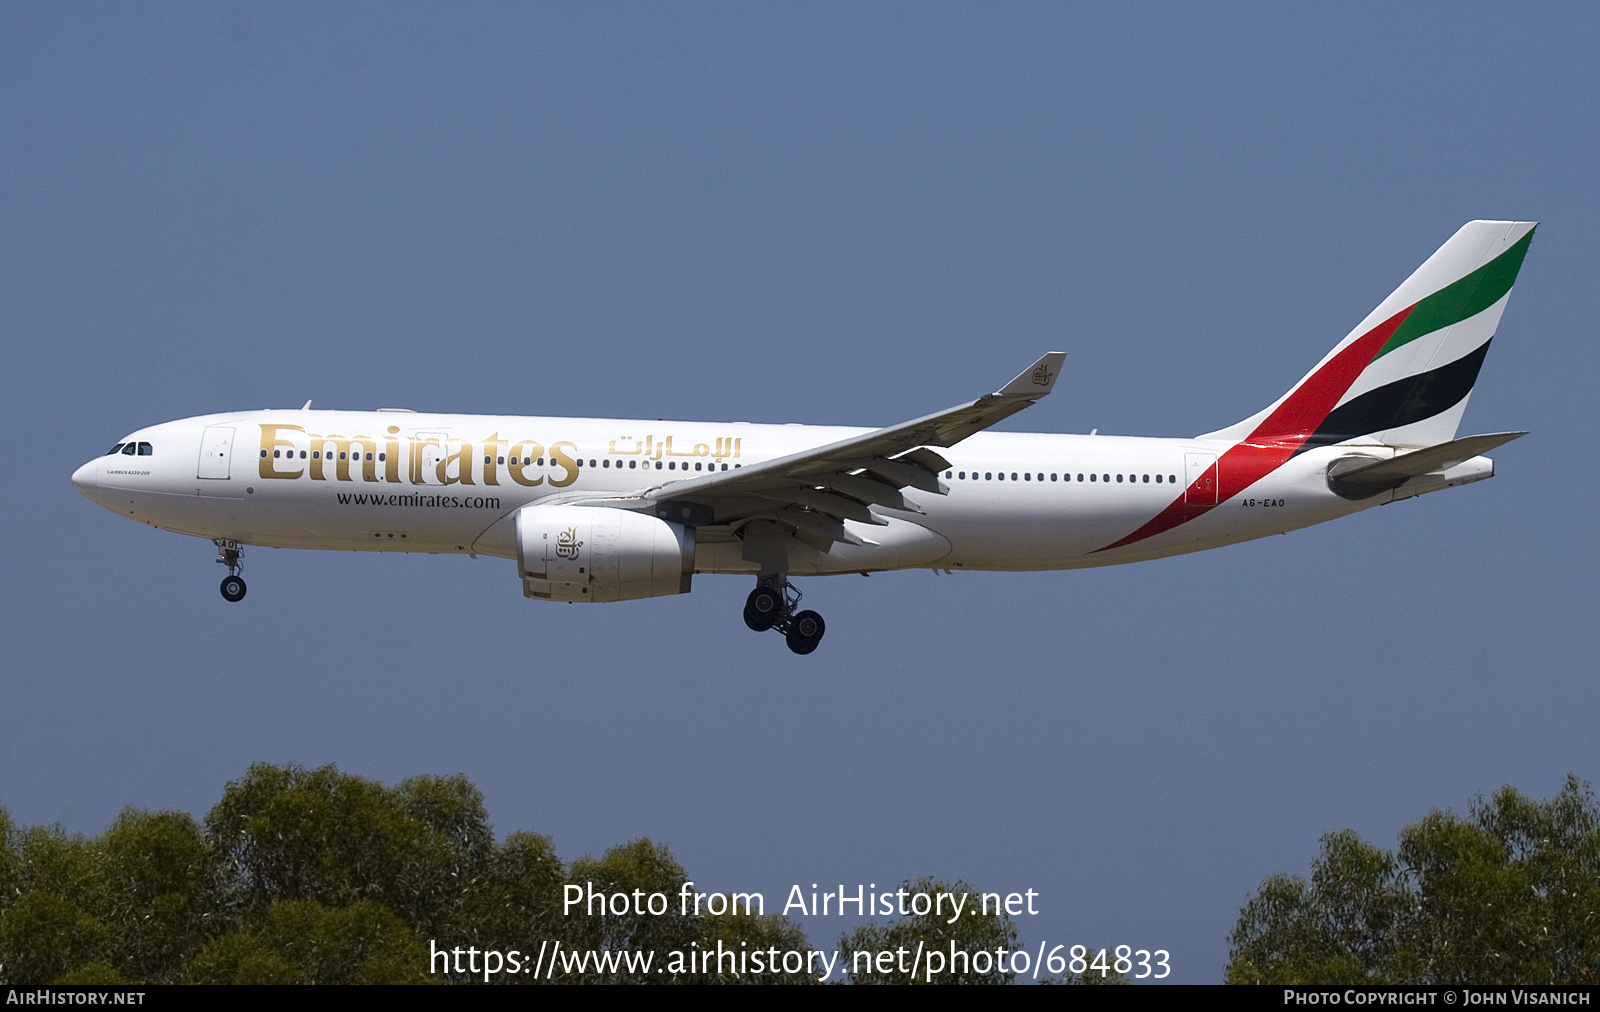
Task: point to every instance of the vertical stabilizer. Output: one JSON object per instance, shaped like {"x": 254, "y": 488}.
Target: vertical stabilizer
{"x": 1403, "y": 375}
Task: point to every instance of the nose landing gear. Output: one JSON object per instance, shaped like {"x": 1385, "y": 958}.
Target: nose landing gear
{"x": 231, "y": 555}
{"x": 771, "y": 606}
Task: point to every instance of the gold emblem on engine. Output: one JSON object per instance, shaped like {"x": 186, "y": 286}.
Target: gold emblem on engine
{"x": 567, "y": 543}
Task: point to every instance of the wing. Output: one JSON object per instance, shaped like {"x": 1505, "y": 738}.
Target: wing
{"x": 814, "y": 491}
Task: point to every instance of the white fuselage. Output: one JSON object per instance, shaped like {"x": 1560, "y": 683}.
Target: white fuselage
{"x": 403, "y": 481}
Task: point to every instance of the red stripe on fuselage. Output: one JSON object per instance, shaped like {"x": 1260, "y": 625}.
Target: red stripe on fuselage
{"x": 1279, "y": 435}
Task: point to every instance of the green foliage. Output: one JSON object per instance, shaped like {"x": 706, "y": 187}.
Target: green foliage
{"x": 302, "y": 876}
{"x": 972, "y": 932}
{"x": 516, "y": 903}
{"x": 91, "y": 974}
{"x": 54, "y": 862}
{"x": 242, "y": 957}
{"x": 754, "y": 933}
{"x": 291, "y": 834}
{"x": 160, "y": 878}
{"x": 10, "y": 863}
{"x": 363, "y": 943}
{"x": 43, "y": 936}
{"x": 638, "y": 866}
{"x": 316, "y": 876}
{"x": 1509, "y": 895}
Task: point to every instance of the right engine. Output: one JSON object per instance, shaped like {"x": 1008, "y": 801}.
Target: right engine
{"x": 596, "y": 553}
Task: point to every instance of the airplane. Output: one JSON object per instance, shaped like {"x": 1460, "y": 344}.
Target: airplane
{"x": 605, "y": 510}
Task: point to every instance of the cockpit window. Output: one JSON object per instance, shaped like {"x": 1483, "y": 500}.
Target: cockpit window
{"x": 130, "y": 449}
{"x": 145, "y": 449}
{"x": 114, "y": 449}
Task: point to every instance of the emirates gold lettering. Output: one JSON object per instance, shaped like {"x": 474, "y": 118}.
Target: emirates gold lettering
{"x": 391, "y": 469}
{"x": 417, "y": 453}
{"x": 526, "y": 450}
{"x": 462, "y": 457}
{"x": 319, "y": 450}
{"x": 563, "y": 459}
{"x": 270, "y": 442}
{"x": 451, "y": 461}
{"x": 342, "y": 452}
{"x": 491, "y": 459}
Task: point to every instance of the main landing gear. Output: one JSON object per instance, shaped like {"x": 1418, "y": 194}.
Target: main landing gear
{"x": 231, "y": 555}
{"x": 771, "y": 606}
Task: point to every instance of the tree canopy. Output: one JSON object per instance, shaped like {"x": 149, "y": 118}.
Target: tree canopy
{"x": 316, "y": 876}
{"x": 1508, "y": 895}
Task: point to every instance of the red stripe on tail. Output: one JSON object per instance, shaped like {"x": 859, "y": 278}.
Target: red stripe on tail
{"x": 1278, "y": 436}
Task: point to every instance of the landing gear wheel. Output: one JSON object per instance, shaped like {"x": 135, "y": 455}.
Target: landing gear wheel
{"x": 763, "y": 608}
{"x": 805, "y": 632}
{"x": 232, "y": 588}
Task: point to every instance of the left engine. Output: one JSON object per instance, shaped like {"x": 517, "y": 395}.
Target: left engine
{"x": 595, "y": 553}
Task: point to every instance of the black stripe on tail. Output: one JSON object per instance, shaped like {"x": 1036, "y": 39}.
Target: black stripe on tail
{"x": 1402, "y": 402}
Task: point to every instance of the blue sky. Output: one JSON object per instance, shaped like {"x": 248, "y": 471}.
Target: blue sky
{"x": 849, "y": 214}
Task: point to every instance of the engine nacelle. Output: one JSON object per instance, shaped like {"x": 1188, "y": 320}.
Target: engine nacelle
{"x": 594, "y": 553}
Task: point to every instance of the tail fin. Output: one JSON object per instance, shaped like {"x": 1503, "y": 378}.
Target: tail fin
{"x": 1402, "y": 377}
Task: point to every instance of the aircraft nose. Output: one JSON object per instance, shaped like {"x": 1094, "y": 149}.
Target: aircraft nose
{"x": 82, "y": 478}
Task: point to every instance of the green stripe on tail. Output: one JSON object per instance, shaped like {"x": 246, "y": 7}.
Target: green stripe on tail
{"x": 1462, "y": 299}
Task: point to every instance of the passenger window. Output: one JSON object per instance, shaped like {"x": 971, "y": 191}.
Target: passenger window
{"x": 963, "y": 475}
{"x": 1147, "y": 479}
{"x": 988, "y": 476}
{"x": 1119, "y": 479}
{"x": 1172, "y": 478}
{"x": 1027, "y": 477}
{"x": 1094, "y": 477}
{"x": 1158, "y": 479}
{"x": 633, "y": 463}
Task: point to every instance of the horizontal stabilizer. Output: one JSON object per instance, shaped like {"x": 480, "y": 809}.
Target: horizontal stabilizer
{"x": 1355, "y": 474}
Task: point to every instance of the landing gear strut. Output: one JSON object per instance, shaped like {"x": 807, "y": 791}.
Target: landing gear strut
{"x": 231, "y": 555}
{"x": 771, "y": 606}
